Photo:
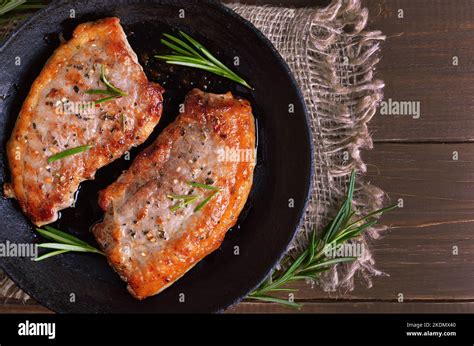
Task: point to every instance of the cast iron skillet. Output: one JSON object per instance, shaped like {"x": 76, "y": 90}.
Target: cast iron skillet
{"x": 85, "y": 282}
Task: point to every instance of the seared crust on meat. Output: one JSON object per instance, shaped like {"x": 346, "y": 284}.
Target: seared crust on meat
{"x": 150, "y": 244}
{"x": 58, "y": 115}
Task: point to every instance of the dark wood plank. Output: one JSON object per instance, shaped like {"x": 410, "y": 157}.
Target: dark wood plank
{"x": 308, "y": 307}
{"x": 417, "y": 65}
{"x": 13, "y": 307}
{"x": 438, "y": 198}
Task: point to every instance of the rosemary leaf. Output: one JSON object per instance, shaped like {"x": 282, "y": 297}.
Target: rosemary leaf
{"x": 100, "y": 92}
{"x": 280, "y": 301}
{"x": 354, "y": 232}
{"x": 111, "y": 90}
{"x": 7, "y": 6}
{"x": 312, "y": 247}
{"x": 190, "y": 53}
{"x": 176, "y": 207}
{"x": 327, "y": 263}
{"x": 208, "y": 55}
{"x": 207, "y": 200}
{"x": 182, "y": 197}
{"x": 69, "y": 152}
{"x": 105, "y": 99}
{"x": 122, "y": 121}
{"x": 50, "y": 254}
{"x": 191, "y": 61}
{"x": 184, "y": 200}
{"x": 203, "y": 50}
{"x": 56, "y": 235}
{"x": 203, "y": 186}
{"x": 65, "y": 243}
{"x": 314, "y": 259}
{"x": 109, "y": 85}
{"x": 202, "y": 66}
{"x": 175, "y": 48}
{"x": 67, "y": 247}
{"x": 12, "y": 10}
{"x": 183, "y": 44}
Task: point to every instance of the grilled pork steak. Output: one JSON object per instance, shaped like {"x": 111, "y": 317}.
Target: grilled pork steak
{"x": 175, "y": 203}
{"x": 62, "y": 113}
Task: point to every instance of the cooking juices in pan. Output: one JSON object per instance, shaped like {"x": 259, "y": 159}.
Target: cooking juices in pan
{"x": 177, "y": 81}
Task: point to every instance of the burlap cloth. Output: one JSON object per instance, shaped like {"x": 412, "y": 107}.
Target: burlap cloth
{"x": 332, "y": 57}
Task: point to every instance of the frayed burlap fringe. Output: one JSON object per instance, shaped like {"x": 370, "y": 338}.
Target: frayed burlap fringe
{"x": 332, "y": 57}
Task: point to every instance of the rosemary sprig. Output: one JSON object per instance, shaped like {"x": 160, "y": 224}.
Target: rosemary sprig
{"x": 10, "y": 5}
{"x": 64, "y": 242}
{"x": 68, "y": 152}
{"x": 215, "y": 190}
{"x": 314, "y": 260}
{"x": 100, "y": 92}
{"x": 182, "y": 197}
{"x": 205, "y": 201}
{"x": 183, "y": 200}
{"x": 194, "y": 54}
{"x": 105, "y": 99}
{"x": 203, "y": 186}
{"x": 111, "y": 90}
{"x": 109, "y": 85}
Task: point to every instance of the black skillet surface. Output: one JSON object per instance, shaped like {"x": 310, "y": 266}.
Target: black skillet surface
{"x": 267, "y": 224}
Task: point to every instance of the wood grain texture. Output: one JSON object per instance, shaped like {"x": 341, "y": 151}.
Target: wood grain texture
{"x": 418, "y": 250}
{"x": 417, "y": 65}
{"x": 325, "y": 307}
{"x": 15, "y": 307}
{"x": 437, "y": 191}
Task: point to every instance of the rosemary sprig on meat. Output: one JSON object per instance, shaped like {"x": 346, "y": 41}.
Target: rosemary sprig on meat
{"x": 189, "y": 52}
{"x": 203, "y": 186}
{"x": 205, "y": 201}
{"x": 111, "y": 90}
{"x": 185, "y": 200}
{"x": 63, "y": 242}
{"x": 215, "y": 190}
{"x": 315, "y": 260}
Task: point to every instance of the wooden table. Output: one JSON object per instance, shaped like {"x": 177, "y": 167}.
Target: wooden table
{"x": 427, "y": 162}
{"x": 415, "y": 160}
